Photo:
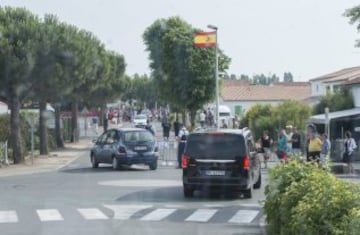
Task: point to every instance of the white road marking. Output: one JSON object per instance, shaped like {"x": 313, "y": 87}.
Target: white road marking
{"x": 142, "y": 183}
{"x": 8, "y": 217}
{"x": 123, "y": 212}
{"x": 92, "y": 214}
{"x": 244, "y": 216}
{"x": 158, "y": 214}
{"x": 49, "y": 215}
{"x": 201, "y": 215}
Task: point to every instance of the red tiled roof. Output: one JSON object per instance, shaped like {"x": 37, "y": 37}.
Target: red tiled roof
{"x": 274, "y": 92}
{"x": 353, "y": 81}
{"x": 339, "y": 75}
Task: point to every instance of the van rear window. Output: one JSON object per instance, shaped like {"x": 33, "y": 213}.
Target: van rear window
{"x": 207, "y": 146}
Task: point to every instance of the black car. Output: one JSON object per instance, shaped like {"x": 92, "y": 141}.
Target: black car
{"x": 125, "y": 146}
{"x": 221, "y": 159}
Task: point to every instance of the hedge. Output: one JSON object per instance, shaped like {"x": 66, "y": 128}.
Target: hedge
{"x": 301, "y": 198}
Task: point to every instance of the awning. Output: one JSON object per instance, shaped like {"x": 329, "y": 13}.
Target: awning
{"x": 320, "y": 118}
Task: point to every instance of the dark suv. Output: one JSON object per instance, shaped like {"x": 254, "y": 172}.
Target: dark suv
{"x": 221, "y": 159}
{"x": 125, "y": 146}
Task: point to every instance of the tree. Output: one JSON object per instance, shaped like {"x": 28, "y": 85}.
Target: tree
{"x": 18, "y": 43}
{"x": 185, "y": 74}
{"x": 288, "y": 77}
{"x": 354, "y": 15}
{"x": 275, "y": 117}
{"x": 339, "y": 100}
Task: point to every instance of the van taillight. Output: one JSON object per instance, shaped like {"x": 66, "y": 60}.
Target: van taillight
{"x": 184, "y": 161}
{"x": 246, "y": 163}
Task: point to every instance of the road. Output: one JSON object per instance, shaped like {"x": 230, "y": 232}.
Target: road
{"x": 80, "y": 200}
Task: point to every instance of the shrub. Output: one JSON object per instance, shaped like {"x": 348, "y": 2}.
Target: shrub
{"x": 304, "y": 199}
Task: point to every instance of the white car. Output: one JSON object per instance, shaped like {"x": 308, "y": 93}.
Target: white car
{"x": 140, "y": 120}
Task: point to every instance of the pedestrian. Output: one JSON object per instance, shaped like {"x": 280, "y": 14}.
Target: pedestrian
{"x": 266, "y": 142}
{"x": 296, "y": 142}
{"x": 176, "y": 125}
{"x": 95, "y": 124}
{"x": 289, "y": 134}
{"x": 183, "y": 133}
{"x": 349, "y": 147}
{"x": 166, "y": 129}
{"x": 224, "y": 125}
{"x": 325, "y": 148}
{"x": 314, "y": 147}
{"x": 202, "y": 118}
{"x": 150, "y": 127}
{"x": 283, "y": 148}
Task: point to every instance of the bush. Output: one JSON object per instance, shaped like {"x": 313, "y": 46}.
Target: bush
{"x": 304, "y": 199}
{"x": 5, "y": 132}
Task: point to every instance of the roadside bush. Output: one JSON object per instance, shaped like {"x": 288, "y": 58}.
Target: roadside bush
{"x": 304, "y": 199}
{"x": 5, "y": 132}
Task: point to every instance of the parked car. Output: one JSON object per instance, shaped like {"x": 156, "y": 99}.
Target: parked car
{"x": 140, "y": 121}
{"x": 224, "y": 159}
{"x": 125, "y": 146}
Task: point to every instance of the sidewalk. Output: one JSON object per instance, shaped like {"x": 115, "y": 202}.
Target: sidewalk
{"x": 55, "y": 160}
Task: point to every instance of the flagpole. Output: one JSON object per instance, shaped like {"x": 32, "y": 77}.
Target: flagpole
{"x": 216, "y": 75}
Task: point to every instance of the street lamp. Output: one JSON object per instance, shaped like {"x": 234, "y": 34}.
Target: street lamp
{"x": 216, "y": 74}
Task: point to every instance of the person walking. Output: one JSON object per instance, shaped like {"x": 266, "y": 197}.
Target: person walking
{"x": 349, "y": 147}
{"x": 283, "y": 147}
{"x": 202, "y": 118}
{"x": 314, "y": 147}
{"x": 176, "y": 125}
{"x": 183, "y": 133}
{"x": 296, "y": 142}
{"x": 166, "y": 129}
{"x": 266, "y": 143}
{"x": 150, "y": 127}
{"x": 325, "y": 148}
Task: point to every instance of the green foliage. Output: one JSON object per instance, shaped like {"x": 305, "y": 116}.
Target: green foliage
{"x": 275, "y": 117}
{"x": 302, "y": 198}
{"x": 354, "y": 15}
{"x": 183, "y": 74}
{"x": 339, "y": 100}
{"x": 288, "y": 77}
{"x": 24, "y": 128}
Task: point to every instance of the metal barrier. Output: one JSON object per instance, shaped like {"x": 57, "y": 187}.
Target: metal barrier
{"x": 4, "y": 153}
{"x": 168, "y": 152}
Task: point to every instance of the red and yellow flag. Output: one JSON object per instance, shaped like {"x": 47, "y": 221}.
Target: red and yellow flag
{"x": 205, "y": 39}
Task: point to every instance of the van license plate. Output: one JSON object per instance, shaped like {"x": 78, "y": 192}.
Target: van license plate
{"x": 215, "y": 173}
{"x": 140, "y": 148}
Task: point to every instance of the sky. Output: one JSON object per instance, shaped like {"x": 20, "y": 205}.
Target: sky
{"x": 308, "y": 38}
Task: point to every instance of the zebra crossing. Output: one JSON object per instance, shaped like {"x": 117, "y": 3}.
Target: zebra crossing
{"x": 144, "y": 213}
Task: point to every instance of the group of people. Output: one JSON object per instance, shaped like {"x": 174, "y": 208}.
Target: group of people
{"x": 206, "y": 118}
{"x": 317, "y": 149}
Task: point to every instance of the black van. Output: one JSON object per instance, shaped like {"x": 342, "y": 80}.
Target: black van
{"x": 221, "y": 159}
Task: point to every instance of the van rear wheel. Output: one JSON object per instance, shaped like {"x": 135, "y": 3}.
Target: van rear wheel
{"x": 247, "y": 193}
{"x": 188, "y": 192}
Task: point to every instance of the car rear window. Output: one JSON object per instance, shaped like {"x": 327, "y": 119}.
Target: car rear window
{"x": 215, "y": 146}
{"x": 138, "y": 136}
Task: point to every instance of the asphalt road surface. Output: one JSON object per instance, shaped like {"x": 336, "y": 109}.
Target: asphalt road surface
{"x": 80, "y": 200}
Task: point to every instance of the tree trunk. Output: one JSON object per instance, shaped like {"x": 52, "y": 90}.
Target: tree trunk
{"x": 43, "y": 130}
{"x": 192, "y": 118}
{"x": 58, "y": 130}
{"x": 15, "y": 135}
{"x": 74, "y": 124}
{"x": 184, "y": 117}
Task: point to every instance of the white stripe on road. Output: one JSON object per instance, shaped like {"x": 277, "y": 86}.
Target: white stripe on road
{"x": 8, "y": 217}
{"x": 92, "y": 214}
{"x": 123, "y": 212}
{"x": 49, "y": 215}
{"x": 201, "y": 215}
{"x": 158, "y": 214}
{"x": 244, "y": 216}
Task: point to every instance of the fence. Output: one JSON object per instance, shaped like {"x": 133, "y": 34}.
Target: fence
{"x": 168, "y": 152}
{"x": 4, "y": 153}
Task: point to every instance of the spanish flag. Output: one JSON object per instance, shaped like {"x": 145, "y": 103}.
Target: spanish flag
{"x": 205, "y": 39}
